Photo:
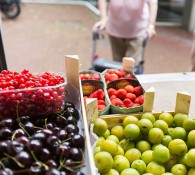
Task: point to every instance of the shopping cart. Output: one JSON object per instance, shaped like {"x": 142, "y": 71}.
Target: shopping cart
{"x": 100, "y": 64}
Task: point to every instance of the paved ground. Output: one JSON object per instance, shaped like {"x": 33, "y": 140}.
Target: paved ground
{"x": 40, "y": 37}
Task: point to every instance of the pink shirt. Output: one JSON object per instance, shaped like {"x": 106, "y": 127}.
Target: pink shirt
{"x": 128, "y": 18}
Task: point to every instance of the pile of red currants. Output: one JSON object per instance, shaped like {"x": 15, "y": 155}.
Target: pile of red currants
{"x": 42, "y": 145}
{"x": 25, "y": 93}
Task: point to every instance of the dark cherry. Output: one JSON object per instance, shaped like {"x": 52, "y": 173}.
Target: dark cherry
{"x": 73, "y": 112}
{"x": 71, "y": 120}
{"x": 45, "y": 155}
{"x": 7, "y": 123}
{"x": 53, "y": 141}
{"x": 62, "y": 134}
{"x": 5, "y": 133}
{"x": 47, "y": 132}
{"x": 23, "y": 139}
{"x": 51, "y": 163}
{"x": 69, "y": 104}
{"x": 50, "y": 126}
{"x": 3, "y": 147}
{"x": 6, "y": 171}
{"x": 61, "y": 121}
{"x": 39, "y": 136}
{"x": 18, "y": 133}
{"x": 63, "y": 150}
{"x": 36, "y": 169}
{"x": 14, "y": 147}
{"x": 35, "y": 145}
{"x": 56, "y": 130}
{"x": 53, "y": 171}
{"x": 77, "y": 141}
{"x": 24, "y": 158}
{"x": 29, "y": 127}
{"x": 69, "y": 162}
{"x": 67, "y": 143}
{"x": 72, "y": 128}
{"x": 64, "y": 173}
{"x": 22, "y": 119}
{"x": 76, "y": 154}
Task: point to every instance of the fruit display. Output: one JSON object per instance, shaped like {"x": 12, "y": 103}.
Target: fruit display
{"x": 124, "y": 92}
{"x": 46, "y": 144}
{"x": 147, "y": 143}
{"x": 26, "y": 93}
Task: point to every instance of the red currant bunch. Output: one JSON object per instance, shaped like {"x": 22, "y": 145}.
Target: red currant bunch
{"x": 26, "y": 93}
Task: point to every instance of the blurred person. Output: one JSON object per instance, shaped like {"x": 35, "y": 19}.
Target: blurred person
{"x": 129, "y": 24}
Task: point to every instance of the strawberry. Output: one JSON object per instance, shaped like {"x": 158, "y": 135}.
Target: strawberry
{"x": 118, "y": 73}
{"x": 112, "y": 97}
{"x": 129, "y": 76}
{"x": 141, "y": 99}
{"x": 111, "y": 91}
{"x": 107, "y": 76}
{"x": 131, "y": 96}
{"x": 138, "y": 91}
{"x": 117, "y": 102}
{"x": 121, "y": 93}
{"x": 99, "y": 94}
{"x": 82, "y": 76}
{"x": 92, "y": 95}
{"x": 108, "y": 81}
{"x": 111, "y": 71}
{"x": 96, "y": 77}
{"x": 101, "y": 102}
{"x": 129, "y": 88}
{"x": 113, "y": 77}
{"x": 128, "y": 103}
{"x": 123, "y": 73}
{"x": 87, "y": 76}
{"x": 101, "y": 107}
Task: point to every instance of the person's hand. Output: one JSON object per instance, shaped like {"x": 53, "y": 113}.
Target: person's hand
{"x": 151, "y": 32}
{"x": 100, "y": 25}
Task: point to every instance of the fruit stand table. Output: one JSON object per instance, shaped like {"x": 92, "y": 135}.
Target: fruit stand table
{"x": 166, "y": 86}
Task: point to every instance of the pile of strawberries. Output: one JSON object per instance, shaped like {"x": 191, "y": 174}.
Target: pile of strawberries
{"x": 100, "y": 95}
{"x": 128, "y": 97}
{"x": 87, "y": 76}
{"x": 114, "y": 74}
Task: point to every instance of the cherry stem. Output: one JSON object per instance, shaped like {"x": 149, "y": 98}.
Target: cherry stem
{"x": 61, "y": 163}
{"x": 13, "y": 136}
{"x": 20, "y": 124}
{"x": 37, "y": 160}
{"x": 20, "y": 171}
{"x": 46, "y": 123}
{"x": 1, "y": 163}
{"x": 14, "y": 159}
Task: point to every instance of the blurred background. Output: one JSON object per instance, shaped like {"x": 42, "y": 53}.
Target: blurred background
{"x": 46, "y": 30}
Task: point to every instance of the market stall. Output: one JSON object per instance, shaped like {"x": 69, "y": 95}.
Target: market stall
{"x": 87, "y": 132}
